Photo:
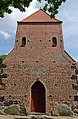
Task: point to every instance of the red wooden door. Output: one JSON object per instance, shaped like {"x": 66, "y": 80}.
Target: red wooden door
{"x": 38, "y": 98}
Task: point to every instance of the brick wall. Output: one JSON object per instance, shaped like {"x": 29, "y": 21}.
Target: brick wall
{"x": 38, "y": 60}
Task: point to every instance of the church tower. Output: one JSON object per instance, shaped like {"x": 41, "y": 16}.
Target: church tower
{"x": 39, "y": 70}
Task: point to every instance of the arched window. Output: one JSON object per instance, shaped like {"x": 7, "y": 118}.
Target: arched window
{"x": 23, "y": 41}
{"x": 54, "y": 42}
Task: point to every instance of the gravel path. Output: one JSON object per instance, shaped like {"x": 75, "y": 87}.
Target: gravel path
{"x": 13, "y": 117}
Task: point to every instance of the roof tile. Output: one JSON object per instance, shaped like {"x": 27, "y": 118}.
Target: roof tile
{"x": 40, "y": 16}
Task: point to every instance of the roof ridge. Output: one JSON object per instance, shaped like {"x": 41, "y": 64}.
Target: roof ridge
{"x": 40, "y": 16}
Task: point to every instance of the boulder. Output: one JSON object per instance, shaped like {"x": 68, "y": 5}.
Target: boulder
{"x": 12, "y": 110}
{"x": 62, "y": 109}
{"x": 65, "y": 110}
{"x": 15, "y": 109}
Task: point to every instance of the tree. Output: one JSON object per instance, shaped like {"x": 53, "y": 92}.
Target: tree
{"x": 2, "y": 66}
{"x": 2, "y": 57}
{"x": 51, "y": 6}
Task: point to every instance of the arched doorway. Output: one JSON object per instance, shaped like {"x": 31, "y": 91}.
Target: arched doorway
{"x": 38, "y": 97}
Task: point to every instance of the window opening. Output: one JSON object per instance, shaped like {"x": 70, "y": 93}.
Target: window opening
{"x": 1, "y": 98}
{"x": 75, "y": 98}
{"x": 54, "y": 42}
{"x": 23, "y": 42}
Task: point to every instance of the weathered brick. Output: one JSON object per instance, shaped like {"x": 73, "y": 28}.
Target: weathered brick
{"x": 38, "y": 60}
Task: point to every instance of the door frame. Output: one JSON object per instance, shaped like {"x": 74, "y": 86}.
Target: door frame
{"x": 44, "y": 94}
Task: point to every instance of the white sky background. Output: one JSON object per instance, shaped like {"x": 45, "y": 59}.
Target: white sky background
{"x": 68, "y": 13}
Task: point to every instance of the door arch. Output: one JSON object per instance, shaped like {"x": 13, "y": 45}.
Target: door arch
{"x": 38, "y": 97}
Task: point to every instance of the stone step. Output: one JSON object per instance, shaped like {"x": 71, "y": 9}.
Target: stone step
{"x": 37, "y": 116}
{"x": 22, "y": 117}
{"x": 37, "y": 113}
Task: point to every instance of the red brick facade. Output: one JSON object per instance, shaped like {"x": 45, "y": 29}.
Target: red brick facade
{"x": 40, "y": 63}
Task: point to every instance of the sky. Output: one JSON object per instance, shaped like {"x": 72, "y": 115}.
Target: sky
{"x": 68, "y": 13}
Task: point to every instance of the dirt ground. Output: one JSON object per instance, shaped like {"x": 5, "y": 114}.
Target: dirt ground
{"x": 13, "y": 117}
{"x": 66, "y": 117}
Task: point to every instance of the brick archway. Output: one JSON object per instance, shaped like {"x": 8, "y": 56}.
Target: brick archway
{"x": 38, "y": 97}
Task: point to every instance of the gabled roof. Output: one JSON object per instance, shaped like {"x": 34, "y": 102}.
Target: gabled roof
{"x": 40, "y": 16}
{"x": 69, "y": 56}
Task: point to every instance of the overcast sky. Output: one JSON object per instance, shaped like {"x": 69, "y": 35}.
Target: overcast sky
{"x": 68, "y": 13}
